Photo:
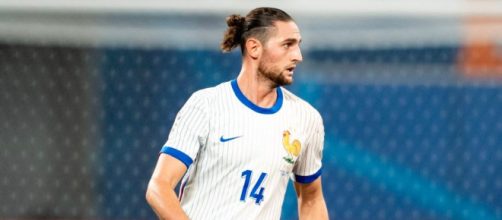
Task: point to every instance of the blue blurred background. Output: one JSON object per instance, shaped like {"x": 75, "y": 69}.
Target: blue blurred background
{"x": 411, "y": 99}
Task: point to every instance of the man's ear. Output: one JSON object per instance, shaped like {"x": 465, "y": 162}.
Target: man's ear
{"x": 253, "y": 47}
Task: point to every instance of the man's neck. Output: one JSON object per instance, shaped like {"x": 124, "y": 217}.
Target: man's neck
{"x": 261, "y": 92}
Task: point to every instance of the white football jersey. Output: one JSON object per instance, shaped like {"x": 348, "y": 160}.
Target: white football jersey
{"x": 240, "y": 156}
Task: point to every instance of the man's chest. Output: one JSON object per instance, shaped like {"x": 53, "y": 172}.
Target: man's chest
{"x": 270, "y": 142}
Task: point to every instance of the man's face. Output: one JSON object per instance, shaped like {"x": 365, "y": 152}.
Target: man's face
{"x": 281, "y": 53}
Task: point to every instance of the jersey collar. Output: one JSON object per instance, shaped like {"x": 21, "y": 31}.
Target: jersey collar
{"x": 275, "y": 108}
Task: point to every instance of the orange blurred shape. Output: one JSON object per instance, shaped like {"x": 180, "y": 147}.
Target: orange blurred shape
{"x": 481, "y": 53}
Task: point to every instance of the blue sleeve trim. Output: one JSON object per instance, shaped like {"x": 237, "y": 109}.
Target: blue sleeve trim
{"x": 178, "y": 155}
{"x": 308, "y": 179}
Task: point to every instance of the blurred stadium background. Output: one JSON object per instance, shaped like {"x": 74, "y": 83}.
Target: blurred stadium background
{"x": 410, "y": 92}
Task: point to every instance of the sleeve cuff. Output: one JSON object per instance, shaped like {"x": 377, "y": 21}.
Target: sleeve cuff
{"x": 308, "y": 179}
{"x": 184, "y": 158}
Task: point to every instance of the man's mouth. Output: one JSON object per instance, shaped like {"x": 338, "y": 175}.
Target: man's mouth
{"x": 290, "y": 69}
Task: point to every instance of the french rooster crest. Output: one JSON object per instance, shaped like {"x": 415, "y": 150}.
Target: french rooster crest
{"x": 293, "y": 148}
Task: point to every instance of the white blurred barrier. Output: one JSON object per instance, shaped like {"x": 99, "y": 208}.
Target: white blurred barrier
{"x": 200, "y": 24}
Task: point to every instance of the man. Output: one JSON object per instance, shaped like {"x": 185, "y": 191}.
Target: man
{"x": 239, "y": 142}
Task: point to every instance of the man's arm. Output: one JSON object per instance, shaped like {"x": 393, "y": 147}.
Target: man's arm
{"x": 311, "y": 204}
{"x": 160, "y": 193}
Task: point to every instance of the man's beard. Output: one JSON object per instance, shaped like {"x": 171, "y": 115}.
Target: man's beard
{"x": 274, "y": 75}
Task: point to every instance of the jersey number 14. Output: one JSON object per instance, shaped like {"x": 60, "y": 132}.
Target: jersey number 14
{"x": 257, "y": 191}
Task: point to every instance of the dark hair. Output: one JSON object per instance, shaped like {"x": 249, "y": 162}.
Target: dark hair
{"x": 255, "y": 24}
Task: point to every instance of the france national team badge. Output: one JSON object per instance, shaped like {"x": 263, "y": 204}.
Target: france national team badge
{"x": 292, "y": 147}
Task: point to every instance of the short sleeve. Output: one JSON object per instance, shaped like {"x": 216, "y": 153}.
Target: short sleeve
{"x": 308, "y": 166}
{"x": 189, "y": 131}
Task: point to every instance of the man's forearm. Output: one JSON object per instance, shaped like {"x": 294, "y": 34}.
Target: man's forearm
{"x": 164, "y": 201}
{"x": 312, "y": 209}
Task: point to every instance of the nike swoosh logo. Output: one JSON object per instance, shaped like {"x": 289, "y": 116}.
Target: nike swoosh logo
{"x": 222, "y": 139}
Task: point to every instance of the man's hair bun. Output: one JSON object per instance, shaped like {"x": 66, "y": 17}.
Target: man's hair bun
{"x": 233, "y": 34}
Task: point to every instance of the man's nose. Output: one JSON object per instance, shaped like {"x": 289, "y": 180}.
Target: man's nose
{"x": 297, "y": 55}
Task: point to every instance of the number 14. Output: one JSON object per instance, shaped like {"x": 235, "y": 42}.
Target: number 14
{"x": 257, "y": 191}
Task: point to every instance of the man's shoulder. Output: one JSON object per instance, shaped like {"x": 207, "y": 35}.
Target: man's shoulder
{"x": 296, "y": 101}
{"x": 210, "y": 93}
{"x": 299, "y": 103}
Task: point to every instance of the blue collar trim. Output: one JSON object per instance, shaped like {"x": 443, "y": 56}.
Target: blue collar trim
{"x": 277, "y": 106}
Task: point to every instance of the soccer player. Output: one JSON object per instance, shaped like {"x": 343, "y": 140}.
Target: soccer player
{"x": 241, "y": 141}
